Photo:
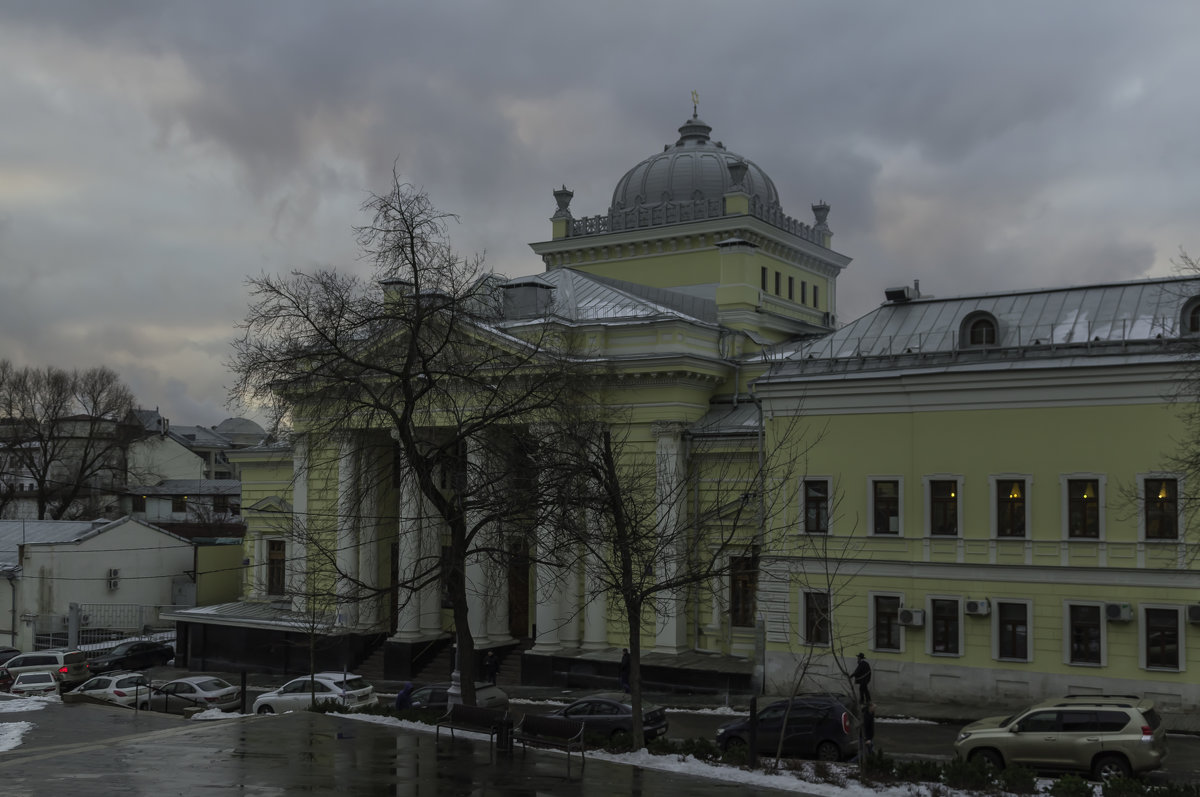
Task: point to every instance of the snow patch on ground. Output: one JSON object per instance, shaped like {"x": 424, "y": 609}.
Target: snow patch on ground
{"x": 217, "y": 714}
{"x": 18, "y": 704}
{"x": 11, "y": 734}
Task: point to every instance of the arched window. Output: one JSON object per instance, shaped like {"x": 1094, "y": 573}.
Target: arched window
{"x": 979, "y": 329}
{"x": 1191, "y": 319}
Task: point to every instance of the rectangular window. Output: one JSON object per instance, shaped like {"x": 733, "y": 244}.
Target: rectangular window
{"x": 791, "y": 289}
{"x": 816, "y": 618}
{"x": 1086, "y": 627}
{"x": 778, "y": 282}
{"x": 1162, "y": 639}
{"x": 887, "y": 622}
{"x": 816, "y": 301}
{"x": 816, "y": 506}
{"x": 803, "y": 292}
{"x": 885, "y": 506}
{"x": 1162, "y": 509}
{"x": 943, "y": 507}
{"x": 1012, "y": 629}
{"x": 1010, "y": 507}
{"x": 743, "y": 587}
{"x": 179, "y": 503}
{"x": 944, "y": 626}
{"x": 276, "y": 566}
{"x": 1083, "y": 508}
{"x": 764, "y": 278}
{"x": 221, "y": 504}
{"x": 139, "y": 503}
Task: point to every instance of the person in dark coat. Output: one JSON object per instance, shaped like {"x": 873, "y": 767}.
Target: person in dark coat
{"x": 623, "y": 669}
{"x": 404, "y": 696}
{"x": 491, "y": 666}
{"x": 862, "y": 677}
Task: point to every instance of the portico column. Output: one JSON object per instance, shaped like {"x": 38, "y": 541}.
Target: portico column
{"x": 347, "y": 531}
{"x": 546, "y": 613}
{"x": 368, "y": 550}
{"x": 568, "y": 607}
{"x": 297, "y": 540}
{"x": 670, "y": 467}
{"x": 595, "y": 610}
{"x": 408, "y": 553}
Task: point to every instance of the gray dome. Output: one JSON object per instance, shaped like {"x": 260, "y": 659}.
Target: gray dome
{"x": 695, "y": 168}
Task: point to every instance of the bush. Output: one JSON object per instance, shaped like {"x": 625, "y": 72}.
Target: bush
{"x": 918, "y": 771}
{"x": 876, "y": 766}
{"x": 1173, "y": 790}
{"x": 1071, "y": 786}
{"x": 1017, "y": 780}
{"x": 1123, "y": 787}
{"x": 967, "y": 775}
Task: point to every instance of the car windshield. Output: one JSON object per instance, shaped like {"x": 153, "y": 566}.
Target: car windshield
{"x": 352, "y": 683}
{"x": 74, "y": 658}
{"x": 36, "y": 678}
{"x": 211, "y": 685}
{"x": 121, "y": 650}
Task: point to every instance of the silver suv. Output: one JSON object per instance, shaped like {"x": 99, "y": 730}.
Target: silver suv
{"x": 1106, "y": 735}
{"x": 68, "y": 666}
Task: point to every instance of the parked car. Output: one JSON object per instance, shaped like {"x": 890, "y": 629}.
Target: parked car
{"x": 196, "y": 691}
{"x": 435, "y": 696}
{"x": 1104, "y": 735}
{"x": 350, "y": 691}
{"x": 122, "y": 688}
{"x": 610, "y": 714}
{"x": 69, "y": 666}
{"x": 8, "y": 653}
{"x": 135, "y": 654}
{"x": 816, "y": 726}
{"x": 35, "y": 684}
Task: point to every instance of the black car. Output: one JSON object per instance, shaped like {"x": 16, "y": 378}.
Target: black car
{"x": 436, "y": 696}
{"x": 7, "y": 653}
{"x": 134, "y": 655}
{"x": 611, "y": 715}
{"x": 818, "y": 726}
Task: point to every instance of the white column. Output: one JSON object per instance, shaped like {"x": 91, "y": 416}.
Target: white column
{"x": 671, "y": 636}
{"x": 368, "y": 549}
{"x": 568, "y": 608}
{"x": 546, "y": 612}
{"x": 497, "y": 605}
{"x": 595, "y": 612}
{"x": 409, "y": 564}
{"x": 347, "y": 531}
{"x": 297, "y": 539}
{"x": 429, "y": 543}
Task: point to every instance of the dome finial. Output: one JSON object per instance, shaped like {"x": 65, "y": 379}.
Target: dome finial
{"x": 695, "y": 103}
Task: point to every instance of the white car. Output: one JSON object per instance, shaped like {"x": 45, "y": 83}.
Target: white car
{"x": 32, "y": 684}
{"x": 123, "y": 688}
{"x": 350, "y": 691}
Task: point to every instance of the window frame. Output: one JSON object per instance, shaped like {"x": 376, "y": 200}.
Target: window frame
{"x": 873, "y": 620}
{"x": 998, "y": 652}
{"x": 806, "y": 598}
{"x": 994, "y": 483}
{"x": 927, "y": 485}
{"x": 276, "y": 566}
{"x": 1065, "y": 482}
{"x": 978, "y": 320}
{"x": 179, "y": 505}
{"x": 1144, "y": 507}
{"x": 743, "y": 590}
{"x": 1144, "y": 631}
{"x": 1068, "y": 635}
{"x": 804, "y": 483}
{"x": 930, "y": 633}
{"x": 871, "y": 482}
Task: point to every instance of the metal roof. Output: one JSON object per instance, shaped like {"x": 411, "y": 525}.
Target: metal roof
{"x": 585, "y": 298}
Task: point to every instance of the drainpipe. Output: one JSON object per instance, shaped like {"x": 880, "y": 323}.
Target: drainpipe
{"x": 12, "y": 585}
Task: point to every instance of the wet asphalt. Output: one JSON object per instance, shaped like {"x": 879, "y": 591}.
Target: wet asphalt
{"x": 97, "y": 750}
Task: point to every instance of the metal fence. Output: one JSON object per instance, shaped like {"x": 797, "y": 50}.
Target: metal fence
{"x": 97, "y": 626}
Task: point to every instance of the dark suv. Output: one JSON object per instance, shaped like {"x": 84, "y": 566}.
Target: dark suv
{"x": 817, "y": 726}
{"x": 136, "y": 654}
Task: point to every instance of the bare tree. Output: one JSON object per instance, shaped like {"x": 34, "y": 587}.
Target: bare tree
{"x": 651, "y": 531}
{"x": 64, "y": 432}
{"x": 412, "y": 360}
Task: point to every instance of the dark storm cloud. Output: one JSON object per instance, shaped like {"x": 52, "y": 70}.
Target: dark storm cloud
{"x": 156, "y": 153}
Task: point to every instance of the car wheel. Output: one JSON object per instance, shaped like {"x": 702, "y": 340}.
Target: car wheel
{"x": 1111, "y": 766}
{"x": 828, "y": 751}
{"x": 619, "y": 737}
{"x": 987, "y": 757}
{"x": 143, "y": 707}
{"x": 265, "y": 709}
{"x": 733, "y": 743}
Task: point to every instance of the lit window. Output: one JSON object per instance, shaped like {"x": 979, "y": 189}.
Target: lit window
{"x": 816, "y": 618}
{"x": 1012, "y": 629}
{"x": 816, "y": 506}
{"x": 1010, "y": 507}
{"x": 1161, "y": 508}
{"x": 1083, "y": 508}
{"x": 887, "y": 622}
{"x": 943, "y": 507}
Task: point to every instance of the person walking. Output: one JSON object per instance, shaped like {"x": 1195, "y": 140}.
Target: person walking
{"x": 404, "y": 697}
{"x": 491, "y": 666}
{"x": 623, "y": 670}
{"x": 862, "y": 677}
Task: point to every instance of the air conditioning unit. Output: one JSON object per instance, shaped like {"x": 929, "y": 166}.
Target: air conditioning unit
{"x": 114, "y": 578}
{"x": 913, "y": 617}
{"x": 980, "y": 607}
{"x": 1118, "y": 612}
{"x": 1194, "y": 613}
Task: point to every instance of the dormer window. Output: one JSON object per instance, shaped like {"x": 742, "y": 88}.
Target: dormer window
{"x": 979, "y": 329}
{"x": 1191, "y": 317}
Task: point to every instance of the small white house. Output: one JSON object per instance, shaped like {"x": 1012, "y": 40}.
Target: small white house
{"x": 116, "y": 569}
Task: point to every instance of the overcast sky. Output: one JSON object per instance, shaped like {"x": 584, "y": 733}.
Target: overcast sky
{"x": 154, "y": 154}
